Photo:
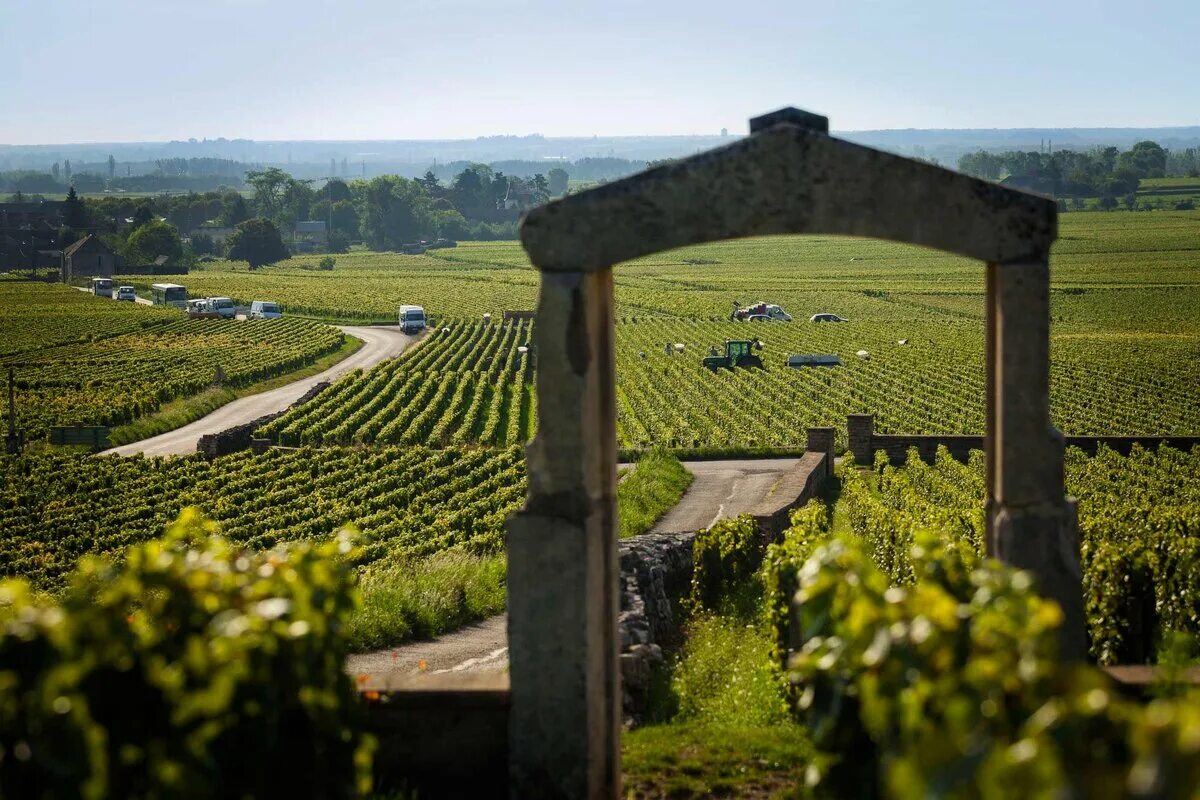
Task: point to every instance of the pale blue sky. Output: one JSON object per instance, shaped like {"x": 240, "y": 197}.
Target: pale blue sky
{"x": 131, "y": 70}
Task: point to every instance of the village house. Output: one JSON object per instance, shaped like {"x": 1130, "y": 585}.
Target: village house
{"x": 89, "y": 256}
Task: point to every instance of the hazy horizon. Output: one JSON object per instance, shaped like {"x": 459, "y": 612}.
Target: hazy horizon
{"x": 274, "y": 70}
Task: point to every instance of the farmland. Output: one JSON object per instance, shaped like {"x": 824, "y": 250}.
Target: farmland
{"x": 407, "y": 502}
{"x": 1139, "y": 520}
{"x": 1126, "y": 336}
{"x": 85, "y": 360}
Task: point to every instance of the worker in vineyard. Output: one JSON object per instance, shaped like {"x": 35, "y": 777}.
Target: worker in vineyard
{"x": 668, "y": 349}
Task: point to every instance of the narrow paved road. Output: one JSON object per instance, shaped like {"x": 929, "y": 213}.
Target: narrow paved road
{"x": 380, "y": 342}
{"x": 721, "y": 489}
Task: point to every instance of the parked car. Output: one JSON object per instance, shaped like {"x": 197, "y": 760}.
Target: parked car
{"x": 222, "y": 306}
{"x": 265, "y": 309}
{"x": 126, "y": 293}
{"x": 826, "y": 318}
{"x": 412, "y": 319}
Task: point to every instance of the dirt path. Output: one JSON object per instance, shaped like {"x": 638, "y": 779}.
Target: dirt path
{"x": 721, "y": 489}
{"x": 380, "y": 342}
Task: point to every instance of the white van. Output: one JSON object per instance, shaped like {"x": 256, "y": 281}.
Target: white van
{"x": 412, "y": 319}
{"x": 102, "y": 287}
{"x": 221, "y": 306}
{"x": 265, "y": 309}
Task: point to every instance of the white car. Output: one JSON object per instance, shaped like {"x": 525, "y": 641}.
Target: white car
{"x": 126, "y": 293}
{"x": 222, "y": 306}
{"x": 827, "y": 318}
{"x": 265, "y": 309}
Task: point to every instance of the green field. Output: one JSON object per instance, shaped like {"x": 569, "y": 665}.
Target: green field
{"x": 1125, "y": 349}
{"x": 84, "y": 360}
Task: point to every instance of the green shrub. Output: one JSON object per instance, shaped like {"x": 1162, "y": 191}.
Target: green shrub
{"x": 420, "y": 599}
{"x": 726, "y": 675}
{"x": 724, "y": 558}
{"x": 780, "y": 572}
{"x": 950, "y": 687}
{"x": 649, "y": 491}
{"x": 195, "y": 669}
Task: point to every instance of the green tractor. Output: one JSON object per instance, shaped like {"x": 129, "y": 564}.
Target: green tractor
{"x": 738, "y": 353}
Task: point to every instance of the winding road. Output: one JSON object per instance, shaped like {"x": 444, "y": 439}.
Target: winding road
{"x": 721, "y": 489}
{"x": 380, "y": 342}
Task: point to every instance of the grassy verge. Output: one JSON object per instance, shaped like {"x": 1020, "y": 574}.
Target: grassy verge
{"x": 180, "y": 412}
{"x": 423, "y": 599}
{"x": 650, "y": 491}
{"x": 715, "y": 453}
{"x": 700, "y": 759}
{"x": 728, "y": 732}
{"x": 430, "y": 597}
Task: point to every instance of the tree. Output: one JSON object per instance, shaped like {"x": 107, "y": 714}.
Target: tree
{"x": 142, "y": 215}
{"x": 1108, "y": 202}
{"x": 112, "y": 167}
{"x": 203, "y": 244}
{"x": 67, "y": 169}
{"x": 327, "y": 263}
{"x": 269, "y": 186}
{"x": 430, "y": 182}
{"x": 396, "y": 211}
{"x": 1145, "y": 159}
{"x": 257, "y": 242}
{"x": 338, "y": 243}
{"x": 233, "y": 210}
{"x": 74, "y": 214}
{"x": 54, "y": 171}
{"x": 152, "y": 240}
{"x": 558, "y": 181}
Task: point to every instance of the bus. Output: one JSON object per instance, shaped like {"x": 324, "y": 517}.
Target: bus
{"x": 169, "y": 294}
{"x": 102, "y": 287}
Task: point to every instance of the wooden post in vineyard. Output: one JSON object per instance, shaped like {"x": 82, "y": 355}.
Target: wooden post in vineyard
{"x": 788, "y": 177}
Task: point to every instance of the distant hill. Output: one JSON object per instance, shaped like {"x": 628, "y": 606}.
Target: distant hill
{"x": 412, "y": 157}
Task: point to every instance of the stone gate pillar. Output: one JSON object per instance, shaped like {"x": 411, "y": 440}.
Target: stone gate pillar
{"x": 562, "y": 556}
{"x": 1030, "y": 522}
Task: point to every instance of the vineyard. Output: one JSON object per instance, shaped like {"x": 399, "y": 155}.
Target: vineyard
{"x": 1139, "y": 520}
{"x": 407, "y": 502}
{"x": 1098, "y": 263}
{"x": 117, "y": 379}
{"x": 469, "y": 382}
{"x": 38, "y": 315}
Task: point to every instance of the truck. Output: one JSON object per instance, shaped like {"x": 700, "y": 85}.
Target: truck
{"x": 759, "y": 312}
{"x": 412, "y": 319}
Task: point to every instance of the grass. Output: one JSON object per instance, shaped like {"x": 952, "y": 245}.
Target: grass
{"x": 421, "y": 599}
{"x": 652, "y": 489}
{"x": 700, "y": 759}
{"x": 426, "y": 598}
{"x": 730, "y": 734}
{"x": 185, "y": 410}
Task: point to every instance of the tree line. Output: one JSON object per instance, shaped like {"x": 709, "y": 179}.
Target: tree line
{"x": 1102, "y": 172}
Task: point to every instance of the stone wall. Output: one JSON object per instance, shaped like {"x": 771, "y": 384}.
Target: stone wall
{"x": 864, "y": 443}
{"x": 239, "y": 437}
{"x": 656, "y": 576}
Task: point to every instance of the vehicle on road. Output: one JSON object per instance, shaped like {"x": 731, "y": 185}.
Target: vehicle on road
{"x": 169, "y": 294}
{"x": 826, "y": 317}
{"x": 222, "y": 307}
{"x": 126, "y": 293}
{"x": 102, "y": 287}
{"x": 759, "y": 312}
{"x": 738, "y": 353}
{"x": 412, "y": 319}
{"x": 265, "y": 309}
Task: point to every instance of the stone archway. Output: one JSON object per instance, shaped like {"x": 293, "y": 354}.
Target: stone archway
{"x": 788, "y": 177}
